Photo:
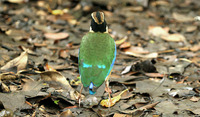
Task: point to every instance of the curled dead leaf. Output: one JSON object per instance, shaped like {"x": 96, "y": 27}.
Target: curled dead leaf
{"x": 111, "y": 102}
{"x": 55, "y": 76}
{"x": 56, "y": 36}
{"x": 20, "y": 62}
{"x": 150, "y": 55}
{"x": 174, "y": 37}
{"x": 182, "y": 18}
{"x": 57, "y": 12}
{"x": 194, "y": 99}
{"x": 191, "y": 28}
{"x": 160, "y": 2}
{"x": 125, "y": 45}
{"x": 118, "y": 42}
{"x": 67, "y": 113}
{"x": 141, "y": 108}
{"x": 158, "y": 31}
{"x": 17, "y": 1}
{"x": 4, "y": 88}
{"x": 49, "y": 68}
{"x": 17, "y": 35}
{"x": 138, "y": 50}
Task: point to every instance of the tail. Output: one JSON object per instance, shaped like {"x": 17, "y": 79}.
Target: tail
{"x": 90, "y": 89}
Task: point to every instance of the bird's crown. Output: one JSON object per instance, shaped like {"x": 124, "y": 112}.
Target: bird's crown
{"x": 98, "y": 23}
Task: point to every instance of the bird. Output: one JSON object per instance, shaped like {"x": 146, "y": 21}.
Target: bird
{"x": 97, "y": 54}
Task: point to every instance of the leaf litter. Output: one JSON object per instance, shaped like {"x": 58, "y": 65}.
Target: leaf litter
{"x": 157, "y": 58}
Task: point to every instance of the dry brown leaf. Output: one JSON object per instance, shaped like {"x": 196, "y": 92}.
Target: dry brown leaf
{"x": 43, "y": 28}
{"x": 196, "y": 111}
{"x": 56, "y": 36}
{"x": 4, "y": 88}
{"x": 182, "y": 18}
{"x": 40, "y": 44}
{"x": 174, "y": 37}
{"x": 160, "y": 2}
{"x": 150, "y": 55}
{"x": 118, "y": 42}
{"x": 141, "y": 108}
{"x": 64, "y": 53}
{"x": 125, "y": 45}
{"x": 57, "y": 77}
{"x": 20, "y": 62}
{"x": 154, "y": 74}
{"x": 111, "y": 102}
{"x": 121, "y": 115}
{"x": 195, "y": 48}
{"x": 17, "y": 1}
{"x": 17, "y": 35}
{"x": 138, "y": 50}
{"x": 158, "y": 31}
{"x": 49, "y": 68}
{"x": 194, "y": 99}
{"x": 166, "y": 106}
{"x": 67, "y": 113}
{"x": 191, "y": 28}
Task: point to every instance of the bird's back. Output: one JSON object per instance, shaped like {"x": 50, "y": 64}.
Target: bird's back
{"x": 96, "y": 58}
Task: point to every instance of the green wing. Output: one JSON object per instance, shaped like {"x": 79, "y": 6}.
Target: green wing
{"x": 96, "y": 58}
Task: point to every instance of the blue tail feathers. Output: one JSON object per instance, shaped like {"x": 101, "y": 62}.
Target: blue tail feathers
{"x": 90, "y": 89}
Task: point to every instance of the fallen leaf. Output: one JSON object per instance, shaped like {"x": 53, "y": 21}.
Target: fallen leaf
{"x": 64, "y": 53}
{"x": 174, "y": 37}
{"x": 20, "y": 62}
{"x": 40, "y": 44}
{"x": 195, "y": 48}
{"x": 160, "y": 2}
{"x": 196, "y": 111}
{"x": 182, "y": 18}
{"x": 150, "y": 55}
{"x": 154, "y": 74}
{"x": 49, "y": 68}
{"x": 121, "y": 115}
{"x": 4, "y": 87}
{"x": 158, "y": 31}
{"x": 57, "y": 77}
{"x": 125, "y": 45}
{"x": 166, "y": 107}
{"x": 57, "y": 12}
{"x": 44, "y": 28}
{"x": 13, "y": 101}
{"x": 67, "y": 113}
{"x": 56, "y": 36}
{"x": 118, "y": 42}
{"x": 191, "y": 28}
{"x": 17, "y": 1}
{"x": 126, "y": 70}
{"x": 138, "y": 50}
{"x": 194, "y": 99}
{"x": 17, "y": 35}
{"x": 141, "y": 108}
{"x": 112, "y": 101}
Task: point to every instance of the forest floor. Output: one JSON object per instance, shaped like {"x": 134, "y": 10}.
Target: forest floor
{"x": 156, "y": 72}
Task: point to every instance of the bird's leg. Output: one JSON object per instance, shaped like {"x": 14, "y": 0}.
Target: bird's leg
{"x": 79, "y": 97}
{"x": 107, "y": 89}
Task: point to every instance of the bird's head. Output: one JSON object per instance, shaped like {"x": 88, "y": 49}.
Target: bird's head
{"x": 98, "y": 23}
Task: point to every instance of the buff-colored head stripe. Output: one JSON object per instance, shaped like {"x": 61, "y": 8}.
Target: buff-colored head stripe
{"x": 94, "y": 16}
